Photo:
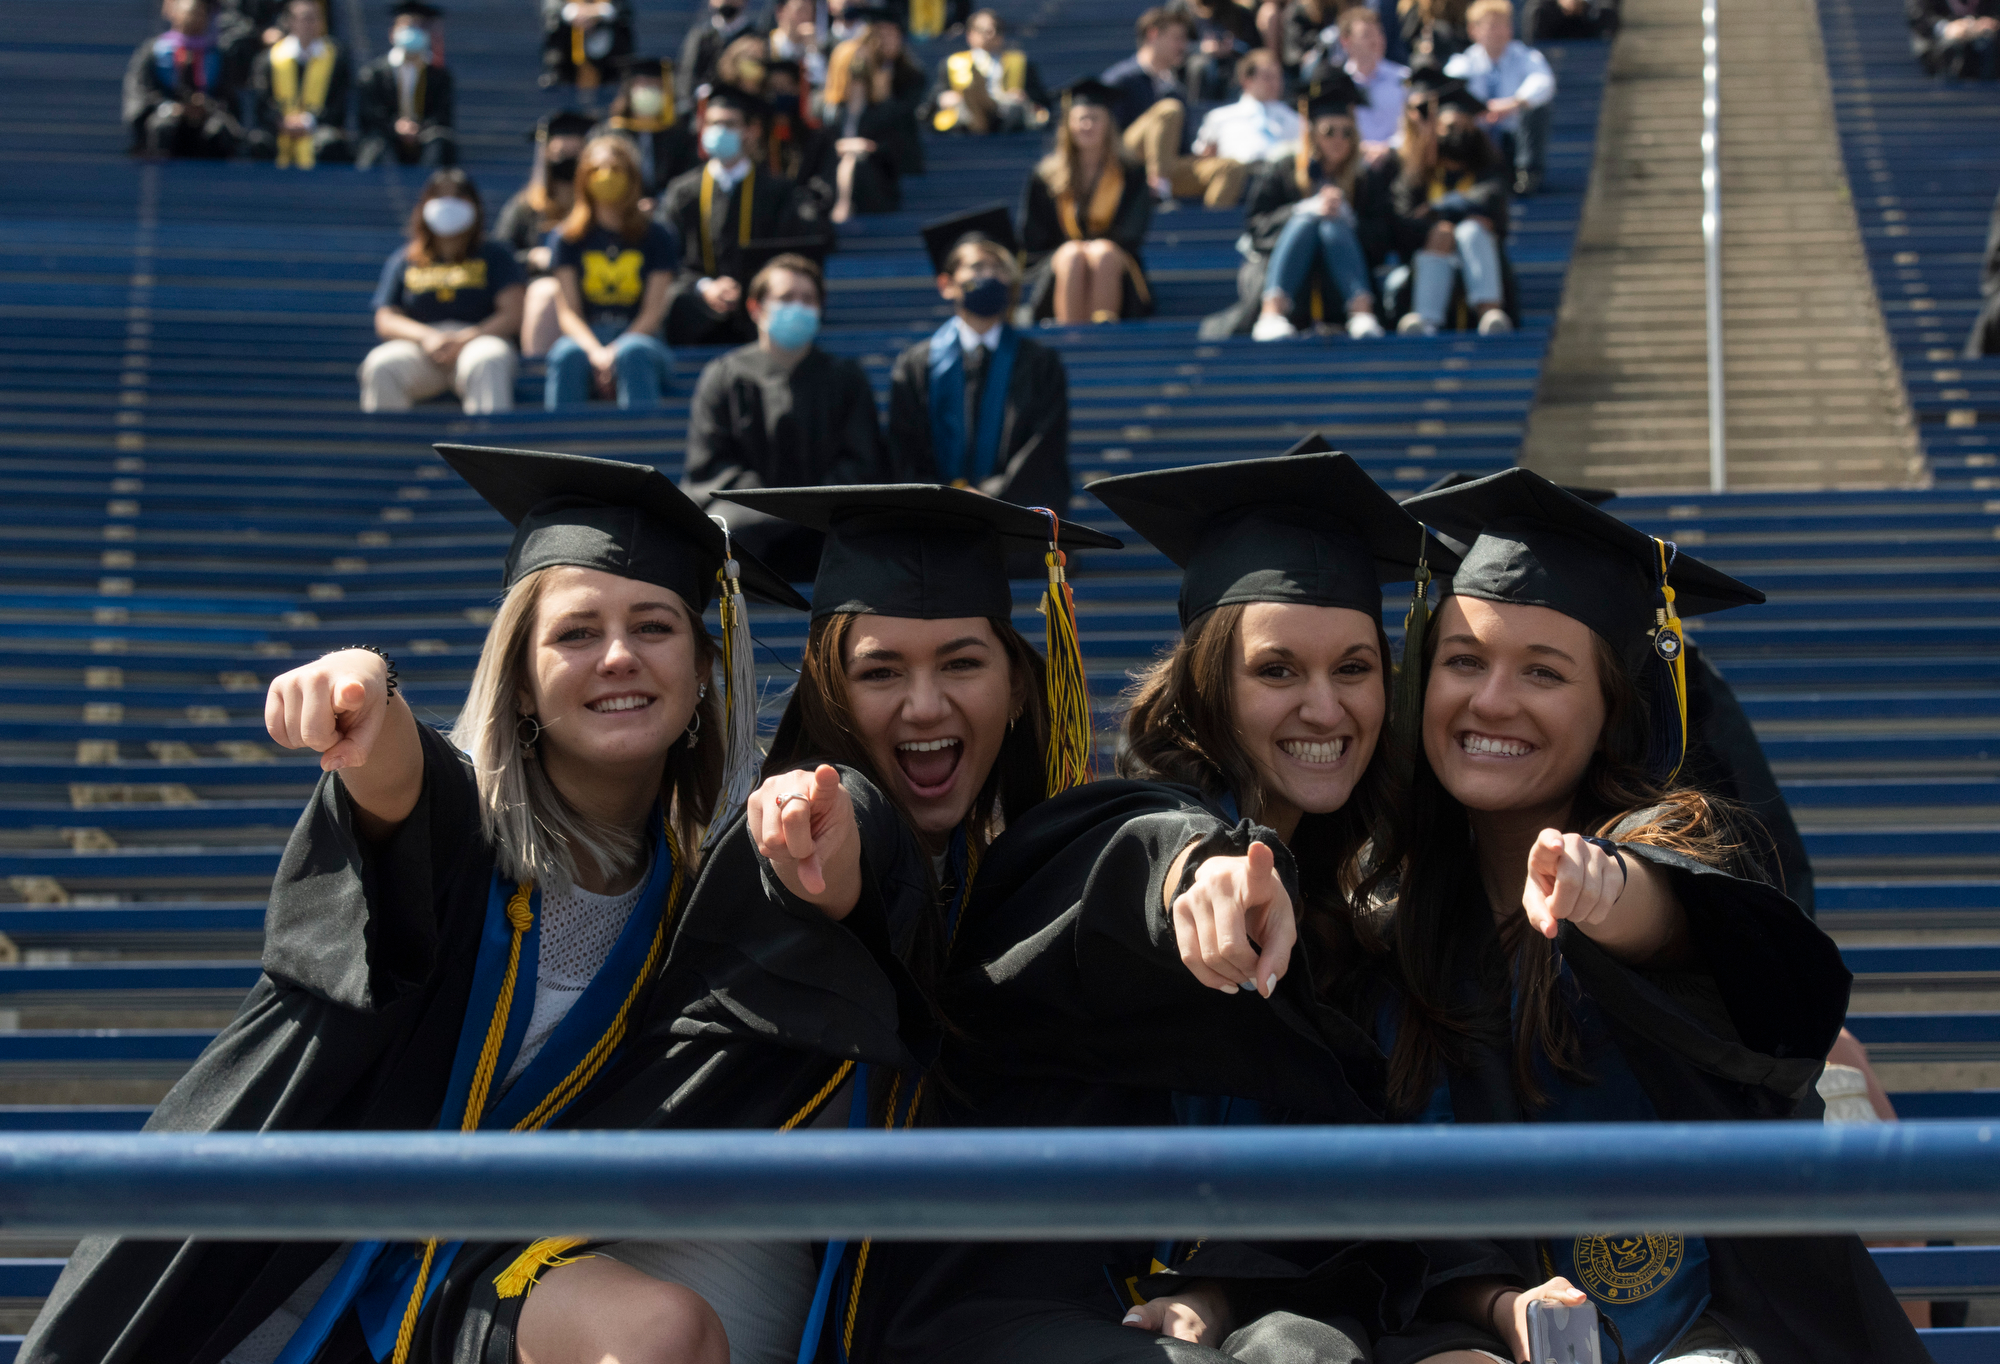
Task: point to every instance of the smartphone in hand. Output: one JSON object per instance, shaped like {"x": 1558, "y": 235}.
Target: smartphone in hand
{"x": 1562, "y": 1335}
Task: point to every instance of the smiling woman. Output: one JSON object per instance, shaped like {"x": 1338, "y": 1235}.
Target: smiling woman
{"x": 456, "y": 942}
{"x": 1577, "y": 939}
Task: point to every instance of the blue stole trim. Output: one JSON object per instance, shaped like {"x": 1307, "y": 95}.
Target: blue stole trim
{"x": 377, "y": 1277}
{"x": 836, "y": 1251}
{"x": 957, "y": 859}
{"x": 947, "y": 396}
{"x": 169, "y": 68}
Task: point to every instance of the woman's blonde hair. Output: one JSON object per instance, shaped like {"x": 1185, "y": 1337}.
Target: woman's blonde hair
{"x": 1345, "y": 174}
{"x": 1062, "y": 169}
{"x": 536, "y": 834}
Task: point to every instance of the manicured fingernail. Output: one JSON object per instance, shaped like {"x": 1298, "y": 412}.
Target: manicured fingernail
{"x": 1229, "y": 990}
{"x": 335, "y": 764}
{"x": 1249, "y": 984}
{"x": 1270, "y": 984}
{"x": 1133, "y": 1318}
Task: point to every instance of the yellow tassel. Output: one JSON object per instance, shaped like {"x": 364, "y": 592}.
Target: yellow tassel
{"x": 1669, "y": 622}
{"x": 926, "y": 18}
{"x": 520, "y": 1276}
{"x": 1070, "y": 729}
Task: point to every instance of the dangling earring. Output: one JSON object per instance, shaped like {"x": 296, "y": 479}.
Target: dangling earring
{"x": 1014, "y": 717}
{"x": 526, "y": 738}
{"x": 694, "y": 730}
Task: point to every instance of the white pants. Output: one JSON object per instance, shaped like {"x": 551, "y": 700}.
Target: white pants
{"x": 397, "y": 375}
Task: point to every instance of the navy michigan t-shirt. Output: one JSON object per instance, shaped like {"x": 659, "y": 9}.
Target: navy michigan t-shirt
{"x": 447, "y": 291}
{"x": 611, "y": 273}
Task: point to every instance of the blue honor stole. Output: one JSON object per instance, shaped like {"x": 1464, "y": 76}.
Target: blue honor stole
{"x": 956, "y": 462}
{"x": 378, "y": 1278}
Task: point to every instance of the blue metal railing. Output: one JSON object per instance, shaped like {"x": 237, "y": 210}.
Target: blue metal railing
{"x": 1711, "y": 1178}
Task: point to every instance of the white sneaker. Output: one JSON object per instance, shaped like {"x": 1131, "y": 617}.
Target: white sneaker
{"x": 1364, "y": 327}
{"x": 1495, "y": 323}
{"x": 1415, "y": 324}
{"x": 1273, "y": 327}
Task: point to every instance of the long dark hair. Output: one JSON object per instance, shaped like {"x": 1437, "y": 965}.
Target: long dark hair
{"x": 1433, "y": 920}
{"x": 1179, "y": 728}
{"x": 450, "y": 183}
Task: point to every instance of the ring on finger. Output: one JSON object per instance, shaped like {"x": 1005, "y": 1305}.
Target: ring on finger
{"x": 791, "y": 795}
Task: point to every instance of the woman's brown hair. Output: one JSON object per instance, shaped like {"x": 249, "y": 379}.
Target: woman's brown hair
{"x": 1180, "y": 727}
{"x": 607, "y": 147}
{"x": 1417, "y": 148}
{"x": 1343, "y": 175}
{"x": 1431, "y": 924}
{"x": 818, "y": 726}
{"x": 445, "y": 184}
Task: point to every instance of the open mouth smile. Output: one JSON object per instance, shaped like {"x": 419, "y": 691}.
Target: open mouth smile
{"x": 1488, "y": 746}
{"x": 930, "y": 765}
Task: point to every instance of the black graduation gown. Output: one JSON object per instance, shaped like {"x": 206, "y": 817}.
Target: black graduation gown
{"x": 1742, "y": 1037}
{"x": 1042, "y": 232}
{"x": 1725, "y": 758}
{"x": 1032, "y": 468}
{"x": 144, "y": 91}
{"x": 559, "y": 64}
{"x": 760, "y": 1002}
{"x": 891, "y": 124}
{"x": 1068, "y": 1005}
{"x": 1397, "y": 217}
{"x": 368, "y": 962}
{"x": 753, "y": 424}
{"x": 378, "y": 104}
{"x": 700, "y": 51}
{"x": 777, "y": 210}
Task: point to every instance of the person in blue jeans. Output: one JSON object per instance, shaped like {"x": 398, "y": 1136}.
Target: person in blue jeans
{"x": 613, "y": 265}
{"x": 1309, "y": 202}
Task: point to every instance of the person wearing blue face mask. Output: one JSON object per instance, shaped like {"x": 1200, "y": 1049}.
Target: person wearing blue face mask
{"x": 781, "y": 413}
{"x": 405, "y": 96}
{"x": 720, "y": 209}
{"x": 978, "y": 405}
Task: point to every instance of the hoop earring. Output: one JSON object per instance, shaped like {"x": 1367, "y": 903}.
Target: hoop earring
{"x": 694, "y": 730}
{"x": 526, "y": 738}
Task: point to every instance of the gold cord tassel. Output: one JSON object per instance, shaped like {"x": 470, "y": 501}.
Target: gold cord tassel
{"x": 926, "y": 18}
{"x": 740, "y": 756}
{"x": 1670, "y": 643}
{"x": 518, "y": 1277}
{"x": 1071, "y": 733}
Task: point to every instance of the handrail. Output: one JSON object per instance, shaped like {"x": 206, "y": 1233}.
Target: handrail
{"x": 1532, "y": 1179}
{"x": 1711, "y": 237}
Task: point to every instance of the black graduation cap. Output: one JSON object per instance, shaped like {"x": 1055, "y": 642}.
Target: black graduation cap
{"x": 994, "y": 222}
{"x": 872, "y": 14}
{"x": 1594, "y": 496}
{"x": 783, "y": 66}
{"x": 917, "y": 550}
{"x": 1306, "y": 526}
{"x": 562, "y": 123}
{"x": 1090, "y": 91}
{"x": 1449, "y": 91}
{"x": 1530, "y": 542}
{"x": 1333, "y": 93}
{"x": 638, "y": 64}
{"x": 753, "y": 107}
{"x": 421, "y": 8}
{"x": 627, "y": 519}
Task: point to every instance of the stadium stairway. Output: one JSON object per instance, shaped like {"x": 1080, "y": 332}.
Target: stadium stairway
{"x": 1924, "y": 165}
{"x": 192, "y": 504}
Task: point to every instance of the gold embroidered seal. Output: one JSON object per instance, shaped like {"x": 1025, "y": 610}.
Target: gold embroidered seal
{"x": 1619, "y": 1269}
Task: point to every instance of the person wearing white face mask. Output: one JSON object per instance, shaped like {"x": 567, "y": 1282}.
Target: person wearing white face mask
{"x": 781, "y": 413}
{"x": 447, "y": 309}
{"x": 404, "y": 98}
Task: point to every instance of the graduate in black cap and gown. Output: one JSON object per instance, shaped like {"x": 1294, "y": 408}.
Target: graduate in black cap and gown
{"x": 403, "y": 99}
{"x": 546, "y": 846}
{"x": 643, "y": 110}
{"x": 539, "y": 207}
{"x": 1577, "y": 937}
{"x": 719, "y": 211}
{"x": 1086, "y": 988}
{"x": 796, "y": 992}
{"x": 781, "y": 413}
{"x": 1724, "y": 757}
{"x": 978, "y": 404}
{"x": 1085, "y": 212}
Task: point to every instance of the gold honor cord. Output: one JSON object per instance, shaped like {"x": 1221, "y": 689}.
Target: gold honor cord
{"x": 1667, "y": 627}
{"x": 521, "y": 918}
{"x": 1070, "y": 728}
{"x": 748, "y": 186}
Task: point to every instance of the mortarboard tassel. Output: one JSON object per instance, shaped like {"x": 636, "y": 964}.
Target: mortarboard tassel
{"x": 1406, "y": 703}
{"x": 1071, "y": 735}
{"x": 740, "y": 756}
{"x": 1668, "y": 749}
